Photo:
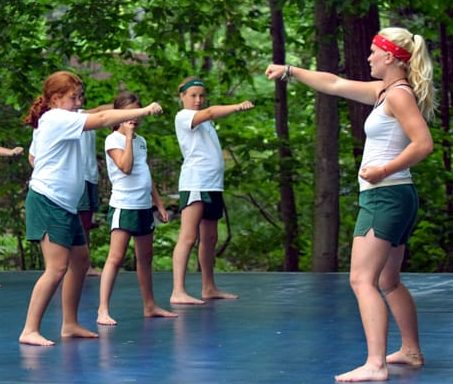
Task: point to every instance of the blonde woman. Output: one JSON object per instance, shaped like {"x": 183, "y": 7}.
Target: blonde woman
{"x": 397, "y": 138}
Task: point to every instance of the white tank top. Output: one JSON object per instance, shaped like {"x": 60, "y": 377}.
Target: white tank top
{"x": 385, "y": 140}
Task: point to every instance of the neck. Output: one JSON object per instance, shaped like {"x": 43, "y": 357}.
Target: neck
{"x": 389, "y": 83}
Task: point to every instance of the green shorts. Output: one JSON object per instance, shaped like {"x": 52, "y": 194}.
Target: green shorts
{"x": 390, "y": 211}
{"x": 212, "y": 202}
{"x": 44, "y": 216}
{"x": 90, "y": 198}
{"x": 138, "y": 222}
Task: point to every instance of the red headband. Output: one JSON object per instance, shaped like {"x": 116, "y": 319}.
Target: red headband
{"x": 388, "y": 46}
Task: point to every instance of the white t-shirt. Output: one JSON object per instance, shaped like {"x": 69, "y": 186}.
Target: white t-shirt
{"x": 90, "y": 163}
{"x": 203, "y": 165}
{"x": 385, "y": 140}
{"x": 57, "y": 173}
{"x": 129, "y": 191}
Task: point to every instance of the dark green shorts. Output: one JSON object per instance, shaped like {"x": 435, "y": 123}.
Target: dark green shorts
{"x": 138, "y": 222}
{"x": 212, "y": 202}
{"x": 90, "y": 198}
{"x": 44, "y": 216}
{"x": 390, "y": 211}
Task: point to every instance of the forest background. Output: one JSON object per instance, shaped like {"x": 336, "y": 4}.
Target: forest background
{"x": 291, "y": 163}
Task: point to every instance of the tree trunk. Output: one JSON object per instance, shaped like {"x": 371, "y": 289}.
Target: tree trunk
{"x": 326, "y": 210}
{"x": 287, "y": 198}
{"x": 359, "y": 30}
{"x": 446, "y": 49}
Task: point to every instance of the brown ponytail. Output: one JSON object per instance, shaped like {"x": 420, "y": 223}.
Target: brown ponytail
{"x": 58, "y": 83}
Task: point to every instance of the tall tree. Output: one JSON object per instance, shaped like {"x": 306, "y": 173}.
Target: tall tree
{"x": 446, "y": 103}
{"x": 326, "y": 209}
{"x": 287, "y": 197}
{"x": 360, "y": 23}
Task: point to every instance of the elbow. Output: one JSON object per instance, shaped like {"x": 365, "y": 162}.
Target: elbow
{"x": 127, "y": 171}
{"x": 429, "y": 147}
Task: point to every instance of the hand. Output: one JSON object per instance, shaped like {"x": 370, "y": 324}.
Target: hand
{"x": 275, "y": 71}
{"x": 129, "y": 127}
{"x": 17, "y": 151}
{"x": 373, "y": 174}
{"x": 163, "y": 214}
{"x": 245, "y": 106}
{"x": 154, "y": 109}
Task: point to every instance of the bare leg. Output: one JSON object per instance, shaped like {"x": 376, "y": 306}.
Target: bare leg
{"x": 56, "y": 259}
{"x": 369, "y": 255}
{"x": 206, "y": 256}
{"x": 190, "y": 220}
{"x": 144, "y": 254}
{"x": 403, "y": 309}
{"x": 72, "y": 291}
{"x": 86, "y": 218}
{"x": 119, "y": 240}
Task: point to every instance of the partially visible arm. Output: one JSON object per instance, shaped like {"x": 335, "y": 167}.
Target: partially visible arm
{"x": 159, "y": 204}
{"x": 111, "y": 117}
{"x": 216, "y": 111}
{"x": 362, "y": 91}
{"x": 124, "y": 158}
{"x": 31, "y": 160}
{"x": 11, "y": 152}
{"x": 99, "y": 108}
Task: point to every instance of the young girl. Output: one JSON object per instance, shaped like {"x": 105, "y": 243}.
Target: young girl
{"x": 397, "y": 138}
{"x": 200, "y": 188}
{"x": 130, "y": 211}
{"x": 56, "y": 186}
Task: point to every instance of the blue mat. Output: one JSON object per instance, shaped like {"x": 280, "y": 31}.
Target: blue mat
{"x": 285, "y": 328}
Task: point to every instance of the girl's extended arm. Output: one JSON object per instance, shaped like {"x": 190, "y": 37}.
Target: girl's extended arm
{"x": 111, "y": 117}
{"x": 216, "y": 111}
{"x": 362, "y": 91}
{"x": 11, "y": 152}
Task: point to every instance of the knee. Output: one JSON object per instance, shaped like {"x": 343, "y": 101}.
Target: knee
{"x": 57, "y": 272}
{"x": 359, "y": 283}
{"x": 388, "y": 285}
{"x": 188, "y": 241}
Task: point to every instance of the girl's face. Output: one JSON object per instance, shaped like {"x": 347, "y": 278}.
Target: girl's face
{"x": 193, "y": 98}
{"x": 70, "y": 101}
{"x": 376, "y": 59}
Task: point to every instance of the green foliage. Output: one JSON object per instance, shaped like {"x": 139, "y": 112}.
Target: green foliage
{"x": 149, "y": 47}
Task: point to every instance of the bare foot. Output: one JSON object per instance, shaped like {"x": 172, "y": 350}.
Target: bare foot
{"x": 216, "y": 294}
{"x": 105, "y": 319}
{"x": 76, "y": 330}
{"x": 184, "y": 298}
{"x": 406, "y": 357}
{"x": 35, "y": 338}
{"x": 364, "y": 373}
{"x": 158, "y": 312}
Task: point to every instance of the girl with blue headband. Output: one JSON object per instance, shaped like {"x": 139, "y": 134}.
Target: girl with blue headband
{"x": 200, "y": 188}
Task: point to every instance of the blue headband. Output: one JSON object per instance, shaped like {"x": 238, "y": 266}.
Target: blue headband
{"x": 191, "y": 83}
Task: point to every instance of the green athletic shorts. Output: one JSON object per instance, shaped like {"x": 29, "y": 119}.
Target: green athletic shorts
{"x": 90, "y": 198}
{"x": 44, "y": 216}
{"x": 391, "y": 212}
{"x": 212, "y": 202}
{"x": 138, "y": 222}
